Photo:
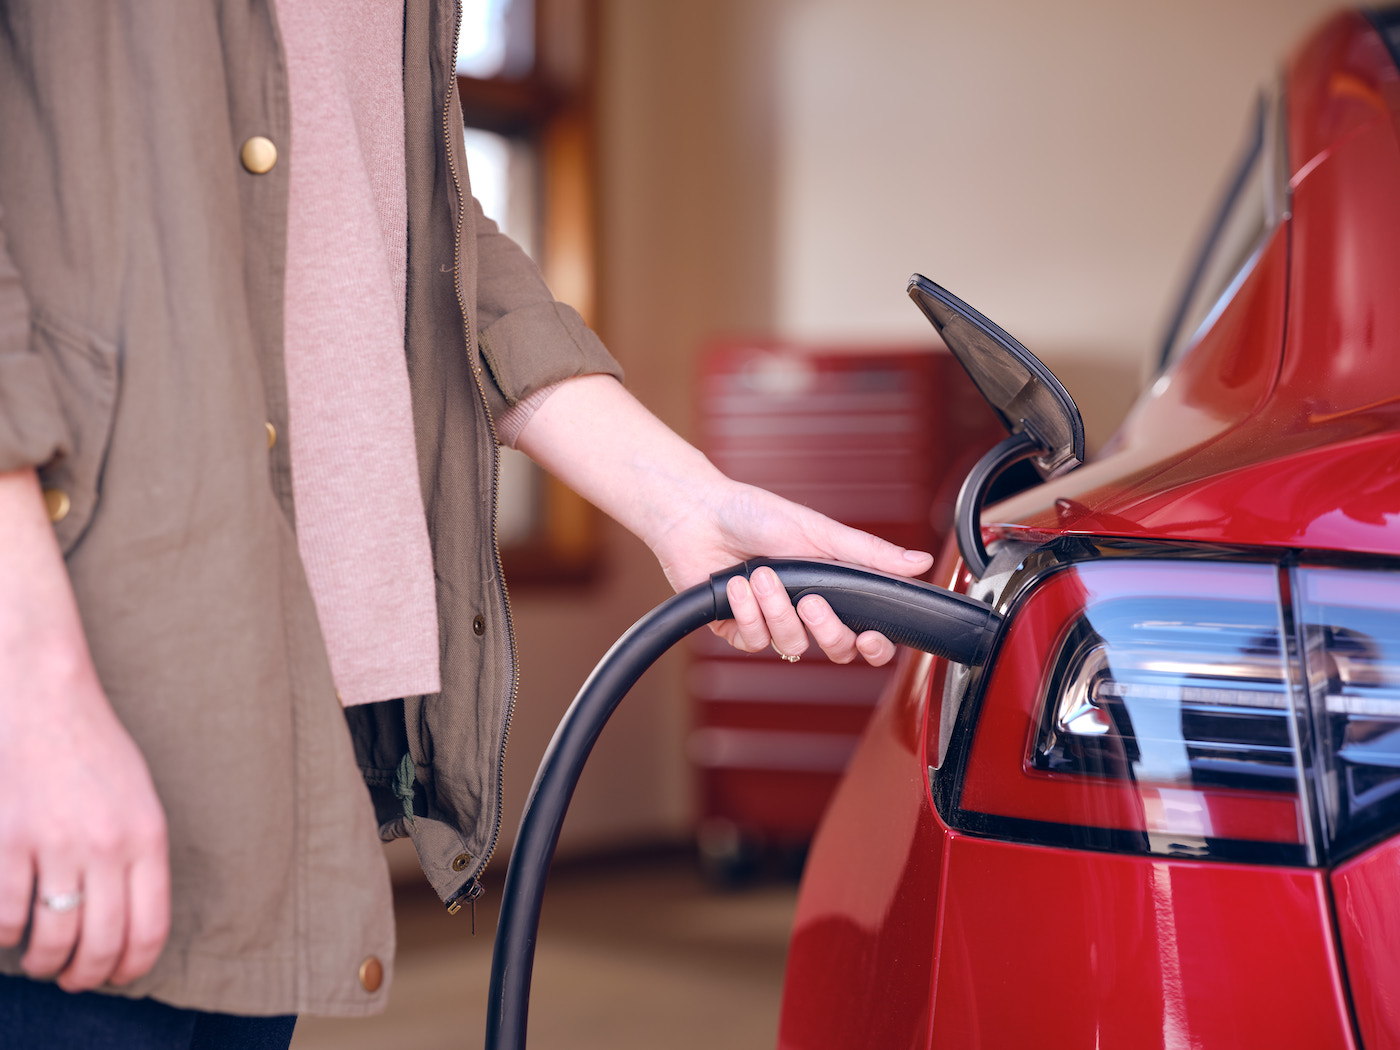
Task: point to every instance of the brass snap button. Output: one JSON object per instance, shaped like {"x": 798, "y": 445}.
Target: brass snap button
{"x": 57, "y": 503}
{"x": 460, "y": 862}
{"x": 478, "y": 625}
{"x": 271, "y": 435}
{"x": 258, "y": 155}
{"x": 371, "y": 974}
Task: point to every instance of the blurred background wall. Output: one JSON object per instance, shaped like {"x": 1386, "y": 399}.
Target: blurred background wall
{"x": 780, "y": 167}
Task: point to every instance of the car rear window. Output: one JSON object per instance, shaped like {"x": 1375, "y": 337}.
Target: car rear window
{"x": 1387, "y": 23}
{"x": 1254, "y": 202}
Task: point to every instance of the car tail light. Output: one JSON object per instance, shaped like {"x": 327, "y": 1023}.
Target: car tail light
{"x": 1350, "y": 624}
{"x": 1193, "y": 708}
{"x": 1145, "y": 706}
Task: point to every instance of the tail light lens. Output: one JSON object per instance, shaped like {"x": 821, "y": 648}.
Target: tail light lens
{"x": 1350, "y": 624}
{"x": 1202, "y": 709}
{"x": 1145, "y": 706}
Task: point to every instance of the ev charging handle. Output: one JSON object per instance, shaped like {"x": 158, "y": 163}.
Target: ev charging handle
{"x": 909, "y": 612}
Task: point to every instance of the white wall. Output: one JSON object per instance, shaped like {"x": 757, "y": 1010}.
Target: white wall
{"x": 1049, "y": 162}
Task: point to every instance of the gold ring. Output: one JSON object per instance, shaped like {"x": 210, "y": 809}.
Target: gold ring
{"x": 783, "y": 655}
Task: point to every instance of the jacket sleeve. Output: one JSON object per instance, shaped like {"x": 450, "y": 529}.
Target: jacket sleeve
{"x": 33, "y": 426}
{"x": 529, "y": 339}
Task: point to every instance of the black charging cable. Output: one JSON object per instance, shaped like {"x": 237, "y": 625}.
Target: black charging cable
{"x": 908, "y": 612}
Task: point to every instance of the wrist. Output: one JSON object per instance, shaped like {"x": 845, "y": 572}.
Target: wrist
{"x": 53, "y": 681}
{"x": 685, "y": 505}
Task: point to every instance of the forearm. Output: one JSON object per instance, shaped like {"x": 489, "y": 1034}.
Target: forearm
{"x": 604, "y": 444}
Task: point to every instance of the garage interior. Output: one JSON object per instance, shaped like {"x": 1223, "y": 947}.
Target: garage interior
{"x": 773, "y": 171}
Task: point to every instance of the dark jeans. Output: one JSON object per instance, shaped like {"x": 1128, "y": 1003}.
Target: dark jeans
{"x": 35, "y": 1015}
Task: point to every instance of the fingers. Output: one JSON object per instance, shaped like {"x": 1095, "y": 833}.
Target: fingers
{"x": 148, "y": 887}
{"x": 115, "y": 934}
{"x": 53, "y": 932}
{"x": 16, "y": 891}
{"x": 749, "y": 632}
{"x": 764, "y": 615}
{"x": 102, "y": 930}
{"x": 785, "y": 630}
{"x": 861, "y": 548}
{"x": 100, "y": 907}
{"x": 876, "y": 648}
{"x": 838, "y": 641}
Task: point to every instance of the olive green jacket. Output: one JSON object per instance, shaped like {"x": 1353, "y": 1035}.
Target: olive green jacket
{"x": 141, "y": 297}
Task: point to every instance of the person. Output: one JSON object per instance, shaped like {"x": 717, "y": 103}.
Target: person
{"x": 258, "y": 348}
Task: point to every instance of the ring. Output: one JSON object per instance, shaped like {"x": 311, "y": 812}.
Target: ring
{"x": 61, "y": 902}
{"x": 783, "y": 655}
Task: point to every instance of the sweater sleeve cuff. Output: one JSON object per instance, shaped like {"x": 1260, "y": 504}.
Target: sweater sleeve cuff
{"x": 513, "y": 420}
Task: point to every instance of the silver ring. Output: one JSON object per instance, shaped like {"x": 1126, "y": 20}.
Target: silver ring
{"x": 61, "y": 902}
{"x": 783, "y": 655}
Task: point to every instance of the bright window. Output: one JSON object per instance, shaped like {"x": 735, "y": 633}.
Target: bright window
{"x": 497, "y": 39}
{"x": 524, "y": 75}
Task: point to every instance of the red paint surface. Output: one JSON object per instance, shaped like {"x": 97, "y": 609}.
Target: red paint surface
{"x": 1057, "y": 949}
{"x": 1281, "y": 428}
{"x": 1368, "y": 917}
{"x": 860, "y": 966}
{"x": 1341, "y": 80}
{"x": 909, "y": 935}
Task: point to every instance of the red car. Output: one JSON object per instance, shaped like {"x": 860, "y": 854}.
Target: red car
{"x": 1166, "y": 811}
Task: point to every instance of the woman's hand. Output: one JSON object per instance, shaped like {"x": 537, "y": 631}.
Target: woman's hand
{"x": 599, "y": 440}
{"x": 83, "y": 857}
{"x": 735, "y": 522}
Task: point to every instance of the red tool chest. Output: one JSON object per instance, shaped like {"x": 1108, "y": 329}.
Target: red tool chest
{"x": 877, "y": 438}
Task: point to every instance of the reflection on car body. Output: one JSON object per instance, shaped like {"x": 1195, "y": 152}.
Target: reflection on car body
{"x": 1166, "y": 812}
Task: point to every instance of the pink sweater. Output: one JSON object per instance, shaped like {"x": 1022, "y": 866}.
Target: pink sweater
{"x": 360, "y": 522}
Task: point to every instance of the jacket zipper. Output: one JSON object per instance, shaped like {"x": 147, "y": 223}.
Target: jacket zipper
{"x": 473, "y": 888}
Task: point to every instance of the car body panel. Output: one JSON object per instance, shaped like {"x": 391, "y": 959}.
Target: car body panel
{"x": 1068, "y": 948}
{"x": 911, "y": 934}
{"x": 1279, "y": 429}
{"x": 1341, "y": 81}
{"x": 1366, "y": 891}
{"x": 860, "y": 965}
